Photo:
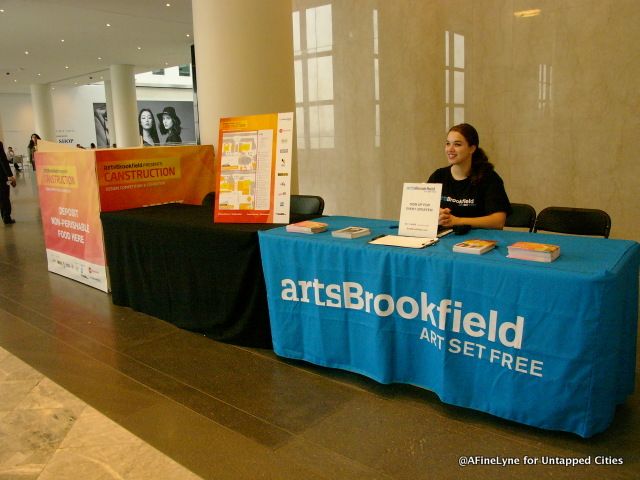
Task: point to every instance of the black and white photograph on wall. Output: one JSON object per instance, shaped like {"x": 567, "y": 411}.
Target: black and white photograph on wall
{"x": 102, "y": 125}
{"x": 166, "y": 122}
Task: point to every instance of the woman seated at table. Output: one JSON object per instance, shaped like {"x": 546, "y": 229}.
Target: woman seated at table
{"x": 472, "y": 192}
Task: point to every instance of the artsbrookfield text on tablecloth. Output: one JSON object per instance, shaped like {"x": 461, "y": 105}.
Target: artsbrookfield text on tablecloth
{"x": 441, "y": 316}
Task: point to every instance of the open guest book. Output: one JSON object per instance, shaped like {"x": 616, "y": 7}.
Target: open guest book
{"x": 418, "y": 226}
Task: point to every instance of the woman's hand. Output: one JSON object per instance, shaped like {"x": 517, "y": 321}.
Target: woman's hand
{"x": 446, "y": 219}
{"x": 494, "y": 220}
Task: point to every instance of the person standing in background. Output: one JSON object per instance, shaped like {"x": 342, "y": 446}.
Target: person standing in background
{"x": 33, "y": 147}
{"x": 6, "y": 179}
{"x": 12, "y": 159}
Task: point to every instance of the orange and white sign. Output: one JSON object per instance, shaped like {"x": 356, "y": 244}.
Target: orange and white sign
{"x": 141, "y": 177}
{"x": 75, "y": 185}
{"x": 254, "y": 169}
{"x": 70, "y": 211}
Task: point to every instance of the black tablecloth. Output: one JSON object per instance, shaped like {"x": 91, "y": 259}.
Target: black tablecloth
{"x": 172, "y": 262}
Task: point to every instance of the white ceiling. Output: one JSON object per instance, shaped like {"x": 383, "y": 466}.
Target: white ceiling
{"x": 39, "y": 26}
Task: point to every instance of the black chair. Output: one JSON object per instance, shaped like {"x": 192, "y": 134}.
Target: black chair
{"x": 306, "y": 205}
{"x": 209, "y": 200}
{"x": 522, "y": 216}
{"x": 575, "y": 221}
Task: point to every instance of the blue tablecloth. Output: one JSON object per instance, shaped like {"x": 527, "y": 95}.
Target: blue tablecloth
{"x": 545, "y": 344}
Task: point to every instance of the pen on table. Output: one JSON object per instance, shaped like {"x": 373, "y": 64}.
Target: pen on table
{"x": 377, "y": 237}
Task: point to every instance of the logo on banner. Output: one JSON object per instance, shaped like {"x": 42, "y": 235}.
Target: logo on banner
{"x": 140, "y": 171}
{"x": 59, "y": 176}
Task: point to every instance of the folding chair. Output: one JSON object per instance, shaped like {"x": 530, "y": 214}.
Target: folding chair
{"x": 575, "y": 221}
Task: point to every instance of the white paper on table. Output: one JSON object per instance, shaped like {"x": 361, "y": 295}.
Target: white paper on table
{"x": 400, "y": 241}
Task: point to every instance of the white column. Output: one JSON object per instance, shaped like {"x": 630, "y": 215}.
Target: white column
{"x": 110, "y": 115}
{"x": 123, "y": 89}
{"x": 244, "y": 60}
{"x": 43, "y": 111}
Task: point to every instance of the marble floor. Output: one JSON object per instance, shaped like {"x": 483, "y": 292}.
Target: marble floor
{"x": 89, "y": 390}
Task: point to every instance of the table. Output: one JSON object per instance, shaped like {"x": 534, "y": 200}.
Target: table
{"x": 545, "y": 344}
{"x": 172, "y": 262}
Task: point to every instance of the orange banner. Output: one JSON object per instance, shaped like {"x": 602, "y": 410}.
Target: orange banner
{"x": 140, "y": 177}
{"x": 70, "y": 211}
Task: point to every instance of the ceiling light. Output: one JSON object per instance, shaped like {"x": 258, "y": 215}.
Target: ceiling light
{"x": 67, "y": 67}
{"x": 39, "y": 74}
{"x": 26, "y": 52}
{"x": 62, "y": 40}
{"x": 15, "y": 80}
{"x": 188, "y": 35}
{"x": 108, "y": 24}
{"x": 99, "y": 58}
{"x": 1, "y": 10}
{"x": 168, "y": 4}
{"x": 139, "y": 48}
{"x": 528, "y": 13}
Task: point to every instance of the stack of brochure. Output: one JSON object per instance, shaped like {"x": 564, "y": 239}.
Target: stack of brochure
{"x": 351, "y": 232}
{"x": 308, "y": 226}
{"x": 474, "y": 246}
{"x": 537, "y": 252}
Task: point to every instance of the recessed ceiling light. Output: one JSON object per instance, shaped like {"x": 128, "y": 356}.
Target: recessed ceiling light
{"x": 26, "y": 52}
{"x": 1, "y": 10}
{"x": 139, "y": 48}
{"x": 15, "y": 80}
{"x": 188, "y": 35}
{"x": 168, "y": 4}
{"x": 39, "y": 74}
{"x": 67, "y": 67}
{"x": 528, "y": 13}
{"x": 108, "y": 24}
{"x": 99, "y": 58}
{"x": 166, "y": 63}
{"x": 62, "y": 40}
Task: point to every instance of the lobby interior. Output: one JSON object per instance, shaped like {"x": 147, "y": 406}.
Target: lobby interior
{"x": 92, "y": 390}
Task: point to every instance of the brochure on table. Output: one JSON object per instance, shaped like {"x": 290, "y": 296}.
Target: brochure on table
{"x": 254, "y": 169}
{"x": 75, "y": 185}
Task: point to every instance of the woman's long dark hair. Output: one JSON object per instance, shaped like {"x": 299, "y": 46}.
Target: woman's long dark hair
{"x": 480, "y": 164}
{"x": 154, "y": 129}
{"x": 31, "y": 142}
{"x": 175, "y": 129}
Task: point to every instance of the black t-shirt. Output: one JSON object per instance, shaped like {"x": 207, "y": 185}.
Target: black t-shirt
{"x": 468, "y": 200}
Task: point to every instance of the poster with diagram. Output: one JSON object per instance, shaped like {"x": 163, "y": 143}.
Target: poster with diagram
{"x": 254, "y": 169}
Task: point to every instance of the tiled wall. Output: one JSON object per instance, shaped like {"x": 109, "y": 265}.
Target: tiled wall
{"x": 554, "y": 97}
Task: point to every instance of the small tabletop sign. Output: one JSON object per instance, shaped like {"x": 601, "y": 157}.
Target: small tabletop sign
{"x": 420, "y": 210}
